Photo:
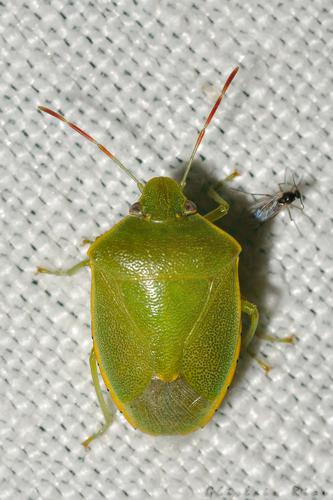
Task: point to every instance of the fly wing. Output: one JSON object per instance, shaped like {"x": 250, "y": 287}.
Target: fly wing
{"x": 266, "y": 208}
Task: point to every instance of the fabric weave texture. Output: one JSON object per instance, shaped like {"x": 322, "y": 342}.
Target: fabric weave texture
{"x": 141, "y": 77}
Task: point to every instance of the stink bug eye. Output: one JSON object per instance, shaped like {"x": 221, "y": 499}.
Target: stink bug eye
{"x": 190, "y": 207}
{"x": 135, "y": 209}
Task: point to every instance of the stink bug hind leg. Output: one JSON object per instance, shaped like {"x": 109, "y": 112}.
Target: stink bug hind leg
{"x": 108, "y": 417}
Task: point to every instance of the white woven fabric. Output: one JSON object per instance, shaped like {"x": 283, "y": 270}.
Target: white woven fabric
{"x": 142, "y": 77}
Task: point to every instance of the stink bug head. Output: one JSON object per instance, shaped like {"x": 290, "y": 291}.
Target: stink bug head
{"x": 162, "y": 200}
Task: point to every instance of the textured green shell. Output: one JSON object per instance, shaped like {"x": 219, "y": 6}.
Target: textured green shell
{"x": 166, "y": 319}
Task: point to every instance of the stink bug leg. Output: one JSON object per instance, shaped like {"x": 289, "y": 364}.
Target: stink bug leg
{"x": 63, "y": 272}
{"x": 252, "y": 311}
{"x": 223, "y": 206}
{"x": 108, "y": 417}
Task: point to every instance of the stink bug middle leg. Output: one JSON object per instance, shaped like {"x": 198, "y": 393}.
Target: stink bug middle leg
{"x": 64, "y": 272}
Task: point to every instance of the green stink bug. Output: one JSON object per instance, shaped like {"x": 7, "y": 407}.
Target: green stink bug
{"x": 165, "y": 305}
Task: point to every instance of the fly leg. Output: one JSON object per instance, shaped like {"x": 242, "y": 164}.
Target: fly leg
{"x": 64, "y": 272}
{"x": 223, "y": 206}
{"x": 108, "y": 417}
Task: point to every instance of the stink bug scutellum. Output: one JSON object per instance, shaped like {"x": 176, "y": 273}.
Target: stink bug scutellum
{"x": 165, "y": 305}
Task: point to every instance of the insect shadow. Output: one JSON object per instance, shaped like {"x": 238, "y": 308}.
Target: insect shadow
{"x": 256, "y": 246}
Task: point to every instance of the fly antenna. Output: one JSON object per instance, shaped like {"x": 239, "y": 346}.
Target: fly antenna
{"x": 207, "y": 122}
{"x": 91, "y": 139}
{"x": 294, "y": 180}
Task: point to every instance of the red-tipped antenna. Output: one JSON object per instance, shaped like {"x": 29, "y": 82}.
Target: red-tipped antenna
{"x": 91, "y": 139}
{"x": 207, "y": 122}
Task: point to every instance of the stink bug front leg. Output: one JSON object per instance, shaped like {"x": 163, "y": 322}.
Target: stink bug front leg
{"x": 221, "y": 210}
{"x": 223, "y": 206}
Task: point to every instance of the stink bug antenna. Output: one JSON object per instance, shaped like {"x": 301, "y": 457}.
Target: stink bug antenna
{"x": 207, "y": 122}
{"x": 91, "y": 139}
